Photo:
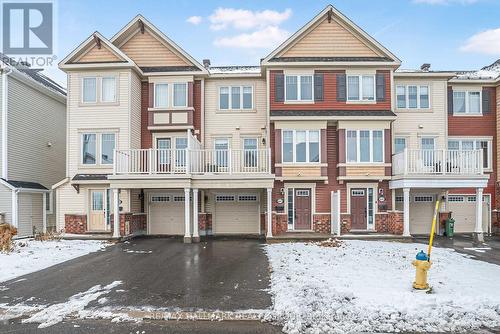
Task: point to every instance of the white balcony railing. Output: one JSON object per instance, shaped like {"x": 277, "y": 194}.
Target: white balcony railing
{"x": 437, "y": 162}
{"x": 193, "y": 161}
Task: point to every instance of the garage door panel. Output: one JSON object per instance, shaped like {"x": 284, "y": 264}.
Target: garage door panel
{"x": 421, "y": 213}
{"x": 166, "y": 215}
{"x": 463, "y": 210}
{"x": 237, "y": 214}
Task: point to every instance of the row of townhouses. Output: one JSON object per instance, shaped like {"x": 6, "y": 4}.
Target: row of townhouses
{"x": 327, "y": 135}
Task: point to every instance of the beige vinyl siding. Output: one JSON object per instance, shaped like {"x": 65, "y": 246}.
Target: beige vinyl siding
{"x": 69, "y": 202}
{"x": 6, "y": 203}
{"x": 224, "y": 124}
{"x": 135, "y": 111}
{"x": 434, "y": 121}
{"x": 37, "y": 211}
{"x": 24, "y": 224}
{"x": 146, "y": 50}
{"x": 96, "y": 55}
{"x": 34, "y": 121}
{"x": 97, "y": 117}
{"x": 135, "y": 202}
{"x": 1, "y": 113}
{"x": 329, "y": 39}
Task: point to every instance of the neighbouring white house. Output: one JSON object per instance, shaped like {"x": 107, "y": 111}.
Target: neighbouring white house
{"x": 32, "y": 146}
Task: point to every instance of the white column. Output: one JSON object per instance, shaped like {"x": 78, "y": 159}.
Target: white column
{"x": 269, "y": 233}
{"x": 196, "y": 236}
{"x": 44, "y": 211}
{"x": 116, "y": 213}
{"x": 187, "y": 227}
{"x": 479, "y": 211}
{"x": 406, "y": 212}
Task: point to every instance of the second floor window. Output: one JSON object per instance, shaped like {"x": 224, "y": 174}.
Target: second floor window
{"x": 473, "y": 144}
{"x": 90, "y": 144}
{"x": 466, "y": 102}
{"x": 301, "y": 146}
{"x": 364, "y": 146}
{"x": 299, "y": 87}
{"x": 361, "y": 88}
{"x": 235, "y": 98}
{"x": 412, "y": 97}
{"x": 108, "y": 89}
{"x": 161, "y": 95}
{"x": 399, "y": 144}
{"x": 180, "y": 94}
{"x": 89, "y": 90}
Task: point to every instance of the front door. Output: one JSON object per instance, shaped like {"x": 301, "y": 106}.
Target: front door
{"x": 358, "y": 209}
{"x": 302, "y": 209}
{"x": 97, "y": 210}
{"x": 164, "y": 155}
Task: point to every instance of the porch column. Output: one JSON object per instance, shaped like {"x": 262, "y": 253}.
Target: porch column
{"x": 406, "y": 212}
{"x": 196, "y": 236}
{"x": 478, "y": 230}
{"x": 44, "y": 212}
{"x": 269, "y": 233}
{"x": 116, "y": 213}
{"x": 187, "y": 227}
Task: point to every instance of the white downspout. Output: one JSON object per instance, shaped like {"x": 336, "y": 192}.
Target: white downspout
{"x": 6, "y": 72}
{"x": 14, "y": 222}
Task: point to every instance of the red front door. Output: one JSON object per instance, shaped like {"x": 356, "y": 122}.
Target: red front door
{"x": 358, "y": 209}
{"x": 302, "y": 209}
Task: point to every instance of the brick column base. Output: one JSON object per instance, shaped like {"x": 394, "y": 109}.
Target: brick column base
{"x": 321, "y": 224}
{"x": 75, "y": 224}
{"x": 345, "y": 223}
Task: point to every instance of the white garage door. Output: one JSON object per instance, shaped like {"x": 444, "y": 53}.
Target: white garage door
{"x": 30, "y": 214}
{"x": 166, "y": 214}
{"x": 237, "y": 214}
{"x": 421, "y": 213}
{"x": 463, "y": 210}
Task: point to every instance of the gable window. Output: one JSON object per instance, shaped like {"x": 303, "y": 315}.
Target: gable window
{"x": 299, "y": 87}
{"x": 90, "y": 144}
{"x": 364, "y": 146}
{"x": 302, "y": 146}
{"x": 412, "y": 97}
{"x": 89, "y": 90}
{"x": 180, "y": 94}
{"x": 235, "y": 98}
{"x": 467, "y": 102}
{"x": 465, "y": 144}
{"x": 361, "y": 88}
{"x": 399, "y": 144}
{"x": 108, "y": 89}
{"x": 161, "y": 95}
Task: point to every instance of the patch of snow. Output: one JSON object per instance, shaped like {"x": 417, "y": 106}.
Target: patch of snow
{"x": 37, "y": 255}
{"x": 55, "y": 313}
{"x": 488, "y": 72}
{"x": 138, "y": 251}
{"x": 235, "y": 69}
{"x": 366, "y": 286}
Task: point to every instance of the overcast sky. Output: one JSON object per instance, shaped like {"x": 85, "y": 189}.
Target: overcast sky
{"x": 449, "y": 34}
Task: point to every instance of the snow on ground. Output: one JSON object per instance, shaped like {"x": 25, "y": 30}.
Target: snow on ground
{"x": 38, "y": 255}
{"x": 365, "y": 286}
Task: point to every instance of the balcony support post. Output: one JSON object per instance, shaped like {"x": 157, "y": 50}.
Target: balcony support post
{"x": 406, "y": 212}
{"x": 269, "y": 216}
{"x": 116, "y": 213}
{"x": 478, "y": 229}
{"x": 196, "y": 235}
{"x": 405, "y": 161}
{"x": 187, "y": 222}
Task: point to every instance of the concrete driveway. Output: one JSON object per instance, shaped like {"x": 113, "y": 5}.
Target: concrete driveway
{"x": 225, "y": 275}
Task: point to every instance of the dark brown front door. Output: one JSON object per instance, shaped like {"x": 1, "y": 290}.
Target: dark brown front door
{"x": 358, "y": 209}
{"x": 302, "y": 209}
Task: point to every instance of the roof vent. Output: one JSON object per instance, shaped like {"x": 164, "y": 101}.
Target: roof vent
{"x": 206, "y": 63}
{"x": 425, "y": 67}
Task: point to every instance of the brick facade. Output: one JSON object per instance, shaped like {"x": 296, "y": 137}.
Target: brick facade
{"x": 389, "y": 222}
{"x": 136, "y": 223}
{"x": 321, "y": 223}
{"x": 75, "y": 224}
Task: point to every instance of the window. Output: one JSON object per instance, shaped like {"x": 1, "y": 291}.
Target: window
{"x": 181, "y": 144}
{"x": 302, "y": 193}
{"x": 224, "y": 198}
{"x": 358, "y": 192}
{"x": 107, "y": 147}
{"x": 399, "y": 144}
{"x": 471, "y": 198}
{"x": 474, "y": 144}
{"x": 221, "y": 147}
{"x": 161, "y": 95}
{"x": 290, "y": 202}
{"x": 400, "y": 199}
{"x": 89, "y": 149}
{"x": 301, "y": 146}
{"x": 160, "y": 198}
{"x": 412, "y": 97}
{"x": 456, "y": 199}
{"x": 423, "y": 198}
{"x": 236, "y": 97}
{"x": 89, "y": 90}
{"x": 299, "y": 87}
{"x": 247, "y": 198}
{"x": 97, "y": 200}
{"x": 427, "y": 143}
{"x": 180, "y": 94}
{"x": 361, "y": 88}
{"x": 48, "y": 202}
{"x": 364, "y": 146}
{"x": 163, "y": 145}
{"x": 108, "y": 89}
{"x": 250, "y": 152}
{"x": 465, "y": 102}
{"x": 179, "y": 198}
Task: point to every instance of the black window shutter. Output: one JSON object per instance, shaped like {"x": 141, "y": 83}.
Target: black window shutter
{"x": 341, "y": 88}
{"x": 380, "y": 86}
{"x": 318, "y": 87}
{"x": 450, "y": 101}
{"x": 279, "y": 87}
{"x": 486, "y": 101}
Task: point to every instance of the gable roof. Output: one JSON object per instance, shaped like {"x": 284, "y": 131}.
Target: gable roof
{"x": 70, "y": 61}
{"x": 138, "y": 23}
{"x": 12, "y": 184}
{"x": 386, "y": 55}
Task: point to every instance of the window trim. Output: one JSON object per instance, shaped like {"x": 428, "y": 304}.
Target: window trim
{"x": 360, "y": 88}
{"x": 294, "y": 144}
{"x": 168, "y": 95}
{"x": 419, "y": 96}
{"x": 299, "y": 86}
{"x": 358, "y": 146}
{"x": 475, "y": 140}
{"x": 467, "y": 107}
{"x": 230, "y": 98}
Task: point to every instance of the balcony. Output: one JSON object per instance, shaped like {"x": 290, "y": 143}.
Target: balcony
{"x": 458, "y": 163}
{"x": 191, "y": 162}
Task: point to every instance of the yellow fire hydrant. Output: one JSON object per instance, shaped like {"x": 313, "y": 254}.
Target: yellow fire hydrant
{"x": 422, "y": 265}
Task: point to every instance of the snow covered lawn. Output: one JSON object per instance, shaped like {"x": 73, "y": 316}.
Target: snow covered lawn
{"x": 38, "y": 255}
{"x": 365, "y": 286}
